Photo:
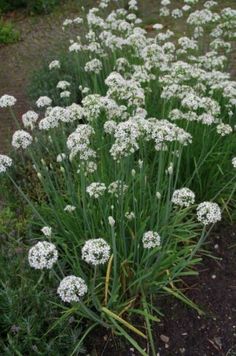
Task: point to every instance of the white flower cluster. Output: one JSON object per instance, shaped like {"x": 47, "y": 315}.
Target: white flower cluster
{"x": 5, "y": 163}
{"x": 72, "y": 289}
{"x": 117, "y": 188}
{"x": 79, "y": 141}
{"x": 21, "y": 139}
{"x": 96, "y": 251}
{"x": 125, "y": 90}
{"x": 130, "y": 215}
{"x": 151, "y": 239}
{"x": 208, "y": 213}
{"x": 47, "y": 231}
{"x": 61, "y": 157}
{"x": 70, "y": 208}
{"x": 224, "y": 129}
{"x": 43, "y": 101}
{"x": 65, "y": 94}
{"x": 96, "y": 189}
{"x": 29, "y": 119}
{"x": 93, "y": 66}
{"x": 54, "y": 65}
{"x": 183, "y": 197}
{"x": 7, "y": 101}
{"x": 43, "y": 255}
{"x": 63, "y": 85}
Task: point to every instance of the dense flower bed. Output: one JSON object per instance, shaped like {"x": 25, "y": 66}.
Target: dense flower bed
{"x": 137, "y": 169}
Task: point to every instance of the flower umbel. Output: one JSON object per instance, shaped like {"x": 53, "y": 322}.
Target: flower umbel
{"x": 72, "y": 289}
{"x": 183, "y": 197}
{"x": 96, "y": 251}
{"x": 208, "y": 213}
{"x": 43, "y": 255}
{"x": 151, "y": 239}
{"x": 5, "y": 163}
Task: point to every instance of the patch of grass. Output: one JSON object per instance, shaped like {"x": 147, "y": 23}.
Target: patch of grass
{"x": 8, "y": 34}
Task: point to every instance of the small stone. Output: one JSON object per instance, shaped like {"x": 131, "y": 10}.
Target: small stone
{"x": 164, "y": 338}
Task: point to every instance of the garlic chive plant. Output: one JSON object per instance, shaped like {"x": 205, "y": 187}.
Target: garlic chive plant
{"x": 133, "y": 155}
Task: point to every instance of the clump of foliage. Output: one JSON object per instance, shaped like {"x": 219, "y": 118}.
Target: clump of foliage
{"x": 26, "y": 314}
{"x": 33, "y": 6}
{"x": 8, "y": 34}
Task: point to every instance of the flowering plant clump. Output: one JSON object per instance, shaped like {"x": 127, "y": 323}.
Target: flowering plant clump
{"x": 126, "y": 119}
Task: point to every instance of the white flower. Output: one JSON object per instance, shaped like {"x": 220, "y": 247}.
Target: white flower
{"x": 111, "y": 221}
{"x": 224, "y": 129}
{"x": 21, "y": 139}
{"x": 7, "y": 101}
{"x": 47, "y": 231}
{"x": 78, "y": 142}
{"x": 96, "y": 190}
{"x": 61, "y": 157}
{"x": 29, "y": 119}
{"x": 133, "y": 5}
{"x": 158, "y": 26}
{"x": 54, "y": 64}
{"x": 96, "y": 251}
{"x": 65, "y": 94}
{"x": 165, "y": 2}
{"x": 170, "y": 169}
{"x": 151, "y": 239}
{"x": 117, "y": 188}
{"x": 177, "y": 13}
{"x": 233, "y": 162}
{"x": 5, "y": 163}
{"x": 43, "y": 101}
{"x": 94, "y": 66}
{"x": 63, "y": 84}
{"x": 67, "y": 22}
{"x": 69, "y": 208}
{"x": 43, "y": 255}
{"x": 208, "y": 213}
{"x": 72, "y": 288}
{"x": 183, "y": 197}
{"x": 130, "y": 215}
{"x": 158, "y": 195}
{"x": 75, "y": 47}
